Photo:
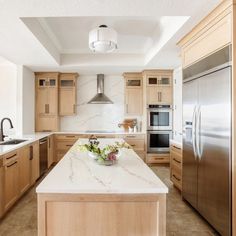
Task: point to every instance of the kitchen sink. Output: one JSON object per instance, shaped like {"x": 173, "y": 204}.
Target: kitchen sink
{"x": 13, "y": 142}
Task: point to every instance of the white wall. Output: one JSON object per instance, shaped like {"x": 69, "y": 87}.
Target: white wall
{"x": 8, "y": 77}
{"x": 177, "y": 75}
{"x": 25, "y": 100}
{"x": 97, "y": 116}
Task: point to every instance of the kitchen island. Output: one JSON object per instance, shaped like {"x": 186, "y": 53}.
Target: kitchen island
{"x": 82, "y": 198}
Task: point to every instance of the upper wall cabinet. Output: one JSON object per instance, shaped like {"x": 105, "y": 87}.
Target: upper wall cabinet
{"x": 67, "y": 94}
{"x": 211, "y": 34}
{"x": 46, "y": 96}
{"x": 133, "y": 93}
{"x": 158, "y": 86}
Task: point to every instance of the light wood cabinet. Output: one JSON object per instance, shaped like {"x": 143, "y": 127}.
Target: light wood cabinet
{"x": 67, "y": 94}
{"x": 159, "y": 86}
{"x": 176, "y": 165}
{"x": 133, "y": 93}
{"x": 10, "y": 180}
{"x": 63, "y": 143}
{"x": 46, "y": 101}
{"x": 34, "y": 162}
{"x": 159, "y": 95}
{"x": 213, "y": 33}
{"x": 24, "y": 158}
{"x": 155, "y": 158}
{"x": 50, "y": 150}
{"x": 137, "y": 142}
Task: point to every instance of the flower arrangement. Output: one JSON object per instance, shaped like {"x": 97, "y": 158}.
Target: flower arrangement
{"x": 107, "y": 155}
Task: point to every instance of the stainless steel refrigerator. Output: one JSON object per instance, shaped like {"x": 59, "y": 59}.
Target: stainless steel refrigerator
{"x": 207, "y": 139}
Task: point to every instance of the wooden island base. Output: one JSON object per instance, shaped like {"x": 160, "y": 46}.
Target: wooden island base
{"x": 101, "y": 214}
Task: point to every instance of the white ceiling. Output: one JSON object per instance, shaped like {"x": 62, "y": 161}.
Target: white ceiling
{"x": 53, "y": 35}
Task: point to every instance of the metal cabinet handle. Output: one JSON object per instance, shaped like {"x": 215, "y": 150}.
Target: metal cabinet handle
{"x": 126, "y": 108}
{"x": 46, "y": 108}
{"x": 11, "y": 164}
{"x": 130, "y": 136}
{"x": 176, "y": 147}
{"x": 69, "y": 145}
{"x": 160, "y": 96}
{"x": 10, "y": 157}
{"x": 176, "y": 177}
{"x": 176, "y": 160}
{"x": 132, "y": 145}
{"x": 31, "y": 153}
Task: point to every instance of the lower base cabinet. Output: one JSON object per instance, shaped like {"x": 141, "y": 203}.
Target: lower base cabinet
{"x": 10, "y": 180}
{"x": 24, "y": 168}
{"x": 176, "y": 165}
{"x": 19, "y": 170}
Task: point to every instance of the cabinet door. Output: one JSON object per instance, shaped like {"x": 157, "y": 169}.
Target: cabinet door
{"x": 11, "y": 184}
{"x": 34, "y": 162}
{"x": 134, "y": 104}
{"x": 67, "y": 101}
{"x": 42, "y": 101}
{"x": 153, "y": 96}
{"x": 50, "y": 150}
{"x": 1, "y": 189}
{"x": 52, "y": 101}
{"x": 24, "y": 168}
{"x": 47, "y": 123}
{"x": 165, "y": 95}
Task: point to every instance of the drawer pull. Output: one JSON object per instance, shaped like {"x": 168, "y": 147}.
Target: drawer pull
{"x": 31, "y": 153}
{"x": 176, "y": 177}
{"x": 132, "y": 145}
{"x": 70, "y": 136}
{"x": 130, "y": 136}
{"x": 69, "y": 145}
{"x": 177, "y": 161}
{"x": 159, "y": 158}
{"x": 11, "y": 164}
{"x": 10, "y": 157}
{"x": 176, "y": 147}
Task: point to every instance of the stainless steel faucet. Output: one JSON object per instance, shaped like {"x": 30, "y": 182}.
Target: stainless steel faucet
{"x": 2, "y": 136}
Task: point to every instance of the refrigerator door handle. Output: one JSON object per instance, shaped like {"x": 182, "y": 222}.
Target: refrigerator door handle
{"x": 194, "y": 132}
{"x": 198, "y": 133}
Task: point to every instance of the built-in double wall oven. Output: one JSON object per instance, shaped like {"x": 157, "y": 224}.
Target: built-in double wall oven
{"x": 159, "y": 128}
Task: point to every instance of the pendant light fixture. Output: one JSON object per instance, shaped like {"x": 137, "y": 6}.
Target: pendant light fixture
{"x": 103, "y": 39}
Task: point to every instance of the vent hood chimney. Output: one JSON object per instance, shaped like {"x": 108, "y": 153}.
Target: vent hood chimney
{"x": 100, "y": 97}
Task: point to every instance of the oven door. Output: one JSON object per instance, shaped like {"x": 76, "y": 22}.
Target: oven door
{"x": 159, "y": 141}
{"x": 159, "y": 119}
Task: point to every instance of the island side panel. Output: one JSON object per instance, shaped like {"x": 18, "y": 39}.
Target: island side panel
{"x": 102, "y": 215}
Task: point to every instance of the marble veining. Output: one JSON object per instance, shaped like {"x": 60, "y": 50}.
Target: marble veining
{"x": 97, "y": 116}
{"x": 79, "y": 173}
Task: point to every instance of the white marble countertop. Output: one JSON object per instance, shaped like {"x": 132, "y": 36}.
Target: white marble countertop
{"x": 30, "y": 138}
{"x": 79, "y": 173}
{"x": 38, "y": 135}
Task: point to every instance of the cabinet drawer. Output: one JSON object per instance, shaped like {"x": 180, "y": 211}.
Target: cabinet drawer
{"x": 136, "y": 144}
{"x": 64, "y": 145}
{"x": 133, "y": 136}
{"x": 9, "y": 157}
{"x": 176, "y": 149}
{"x": 72, "y": 137}
{"x": 176, "y": 178}
{"x": 162, "y": 158}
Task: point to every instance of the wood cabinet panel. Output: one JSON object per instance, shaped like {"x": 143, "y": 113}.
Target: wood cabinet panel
{"x": 10, "y": 183}
{"x": 52, "y": 101}
{"x": 158, "y": 158}
{"x": 34, "y": 162}
{"x": 67, "y": 102}
{"x": 159, "y": 95}
{"x": 50, "y": 150}
{"x": 136, "y": 144}
{"x": 134, "y": 101}
{"x": 24, "y": 169}
{"x": 47, "y": 123}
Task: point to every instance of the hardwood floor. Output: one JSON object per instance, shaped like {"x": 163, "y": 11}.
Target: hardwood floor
{"x": 182, "y": 220}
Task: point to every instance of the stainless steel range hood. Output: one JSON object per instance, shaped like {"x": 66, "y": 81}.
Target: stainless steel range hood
{"x": 100, "y": 97}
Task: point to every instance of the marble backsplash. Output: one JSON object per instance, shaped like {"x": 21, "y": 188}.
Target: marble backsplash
{"x": 97, "y": 116}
